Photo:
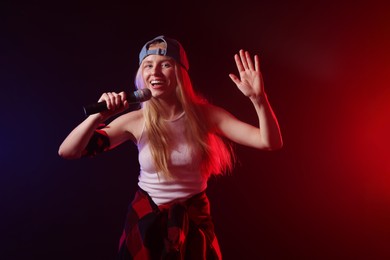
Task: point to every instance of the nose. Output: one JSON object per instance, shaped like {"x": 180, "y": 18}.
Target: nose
{"x": 156, "y": 70}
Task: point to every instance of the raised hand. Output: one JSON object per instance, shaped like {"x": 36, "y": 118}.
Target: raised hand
{"x": 250, "y": 80}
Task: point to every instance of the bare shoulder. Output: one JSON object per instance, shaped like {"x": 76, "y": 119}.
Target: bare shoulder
{"x": 217, "y": 116}
{"x": 215, "y": 113}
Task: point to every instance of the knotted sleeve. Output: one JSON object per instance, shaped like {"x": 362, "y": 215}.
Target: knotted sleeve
{"x": 98, "y": 143}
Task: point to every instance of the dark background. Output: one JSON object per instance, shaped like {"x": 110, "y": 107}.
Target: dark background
{"x": 325, "y": 195}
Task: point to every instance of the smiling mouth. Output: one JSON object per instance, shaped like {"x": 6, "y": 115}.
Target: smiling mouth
{"x": 156, "y": 83}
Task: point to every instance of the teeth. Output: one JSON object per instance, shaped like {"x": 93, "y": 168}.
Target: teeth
{"x": 154, "y": 82}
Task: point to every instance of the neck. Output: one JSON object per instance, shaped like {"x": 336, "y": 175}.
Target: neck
{"x": 170, "y": 110}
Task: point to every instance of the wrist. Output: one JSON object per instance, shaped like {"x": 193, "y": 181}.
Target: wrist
{"x": 260, "y": 99}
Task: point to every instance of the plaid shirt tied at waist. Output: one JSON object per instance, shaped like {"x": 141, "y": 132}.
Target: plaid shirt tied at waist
{"x": 175, "y": 231}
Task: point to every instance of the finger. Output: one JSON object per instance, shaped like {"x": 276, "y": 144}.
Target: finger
{"x": 249, "y": 61}
{"x": 123, "y": 96}
{"x": 238, "y": 63}
{"x": 117, "y": 100}
{"x": 110, "y": 101}
{"x": 234, "y": 78}
{"x": 124, "y": 99}
{"x": 104, "y": 98}
{"x": 243, "y": 59}
{"x": 257, "y": 63}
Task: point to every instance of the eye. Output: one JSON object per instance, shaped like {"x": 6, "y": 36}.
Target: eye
{"x": 166, "y": 65}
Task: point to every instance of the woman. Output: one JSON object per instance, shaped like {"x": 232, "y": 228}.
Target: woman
{"x": 180, "y": 138}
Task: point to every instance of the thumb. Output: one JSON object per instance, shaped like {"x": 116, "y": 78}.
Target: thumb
{"x": 234, "y": 78}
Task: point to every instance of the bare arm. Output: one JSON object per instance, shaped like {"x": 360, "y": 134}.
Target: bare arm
{"x": 267, "y": 136}
{"x": 77, "y": 140}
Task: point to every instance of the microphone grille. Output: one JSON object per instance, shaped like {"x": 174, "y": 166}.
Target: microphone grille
{"x": 143, "y": 94}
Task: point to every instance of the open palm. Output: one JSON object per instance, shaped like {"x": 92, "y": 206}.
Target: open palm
{"x": 250, "y": 80}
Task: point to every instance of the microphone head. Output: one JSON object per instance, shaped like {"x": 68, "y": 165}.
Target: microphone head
{"x": 142, "y": 95}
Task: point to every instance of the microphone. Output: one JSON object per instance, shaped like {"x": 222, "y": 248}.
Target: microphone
{"x": 138, "y": 96}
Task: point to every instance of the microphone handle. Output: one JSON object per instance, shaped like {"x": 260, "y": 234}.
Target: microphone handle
{"x": 138, "y": 96}
{"x": 95, "y": 108}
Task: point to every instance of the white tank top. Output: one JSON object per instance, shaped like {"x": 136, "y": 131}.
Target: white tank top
{"x": 184, "y": 165}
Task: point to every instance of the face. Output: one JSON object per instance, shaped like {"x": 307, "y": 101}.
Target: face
{"x": 159, "y": 75}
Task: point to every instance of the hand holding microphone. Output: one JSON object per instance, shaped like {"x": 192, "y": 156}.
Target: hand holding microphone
{"x": 113, "y": 101}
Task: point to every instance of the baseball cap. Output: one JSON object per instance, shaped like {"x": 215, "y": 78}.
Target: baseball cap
{"x": 174, "y": 50}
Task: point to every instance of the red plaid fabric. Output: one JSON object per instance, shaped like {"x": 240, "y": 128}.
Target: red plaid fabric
{"x": 175, "y": 231}
{"x": 98, "y": 143}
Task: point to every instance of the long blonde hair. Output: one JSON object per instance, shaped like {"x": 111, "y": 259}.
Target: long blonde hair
{"x": 217, "y": 154}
